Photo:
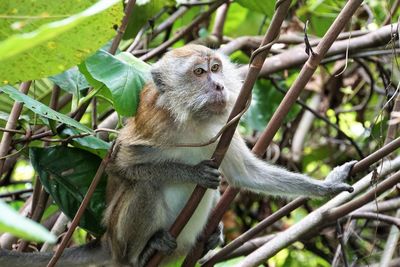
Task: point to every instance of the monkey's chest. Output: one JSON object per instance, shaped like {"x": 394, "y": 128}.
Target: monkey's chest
{"x": 175, "y": 198}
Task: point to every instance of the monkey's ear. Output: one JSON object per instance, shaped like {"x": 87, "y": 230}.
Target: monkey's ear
{"x": 158, "y": 79}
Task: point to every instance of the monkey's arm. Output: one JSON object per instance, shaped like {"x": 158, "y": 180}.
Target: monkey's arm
{"x": 243, "y": 169}
{"x": 140, "y": 163}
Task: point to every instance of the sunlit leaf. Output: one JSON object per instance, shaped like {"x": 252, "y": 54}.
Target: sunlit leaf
{"x": 42, "y": 38}
{"x": 124, "y": 75}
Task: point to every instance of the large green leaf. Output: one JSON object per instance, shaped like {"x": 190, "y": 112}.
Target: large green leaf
{"x": 36, "y": 43}
{"x": 18, "y": 225}
{"x": 266, "y": 7}
{"x": 124, "y": 75}
{"x": 42, "y": 109}
{"x": 71, "y": 81}
{"x": 66, "y": 173}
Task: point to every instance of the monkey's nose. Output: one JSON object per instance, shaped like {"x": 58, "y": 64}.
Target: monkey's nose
{"x": 219, "y": 87}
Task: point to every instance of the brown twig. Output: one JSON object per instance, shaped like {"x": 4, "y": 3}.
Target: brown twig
{"x": 392, "y": 11}
{"x": 374, "y": 216}
{"x": 81, "y": 209}
{"x": 11, "y": 131}
{"x": 121, "y": 29}
{"x": 161, "y": 48}
{"x": 339, "y": 233}
{"x": 370, "y": 195}
{"x": 11, "y": 125}
{"x": 219, "y": 21}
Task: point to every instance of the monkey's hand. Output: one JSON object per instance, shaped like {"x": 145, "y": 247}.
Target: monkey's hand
{"x": 207, "y": 174}
{"x": 335, "y": 180}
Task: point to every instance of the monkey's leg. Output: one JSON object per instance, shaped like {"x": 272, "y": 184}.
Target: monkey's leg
{"x": 134, "y": 215}
{"x": 160, "y": 241}
{"x": 215, "y": 239}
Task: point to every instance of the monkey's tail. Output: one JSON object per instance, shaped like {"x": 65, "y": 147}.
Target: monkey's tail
{"x": 94, "y": 253}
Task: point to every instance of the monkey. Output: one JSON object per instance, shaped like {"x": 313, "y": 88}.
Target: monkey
{"x": 151, "y": 176}
{"x": 193, "y": 91}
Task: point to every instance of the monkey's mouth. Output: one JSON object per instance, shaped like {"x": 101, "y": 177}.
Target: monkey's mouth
{"x": 217, "y": 103}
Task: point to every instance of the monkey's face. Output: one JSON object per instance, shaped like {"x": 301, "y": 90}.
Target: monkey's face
{"x": 192, "y": 81}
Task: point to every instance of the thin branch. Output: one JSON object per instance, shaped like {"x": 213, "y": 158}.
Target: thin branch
{"x": 375, "y": 216}
{"x": 81, "y": 209}
{"x": 324, "y": 119}
{"x": 392, "y": 11}
{"x": 219, "y": 21}
{"x": 11, "y": 131}
{"x": 122, "y": 27}
{"x": 161, "y": 48}
{"x": 341, "y": 243}
{"x": 58, "y": 228}
{"x": 391, "y": 243}
{"x": 11, "y": 125}
{"x": 16, "y": 193}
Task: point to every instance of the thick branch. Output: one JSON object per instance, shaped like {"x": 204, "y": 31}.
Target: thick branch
{"x": 296, "y": 56}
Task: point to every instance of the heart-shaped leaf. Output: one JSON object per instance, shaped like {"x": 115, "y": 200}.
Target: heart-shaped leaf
{"x": 66, "y": 174}
{"x": 124, "y": 75}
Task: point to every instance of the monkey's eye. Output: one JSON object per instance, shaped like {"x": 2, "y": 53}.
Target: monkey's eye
{"x": 215, "y": 67}
{"x": 198, "y": 71}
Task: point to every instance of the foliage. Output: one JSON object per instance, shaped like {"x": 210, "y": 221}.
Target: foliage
{"x": 63, "y": 45}
{"x": 66, "y": 174}
{"x": 14, "y": 223}
{"x": 124, "y": 76}
{"x": 58, "y": 44}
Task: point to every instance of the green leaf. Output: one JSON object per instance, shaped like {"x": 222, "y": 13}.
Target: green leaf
{"x": 18, "y": 225}
{"x": 143, "y": 12}
{"x": 124, "y": 75}
{"x": 89, "y": 143}
{"x": 71, "y": 81}
{"x": 37, "y": 43}
{"x": 242, "y": 21}
{"x": 42, "y": 109}
{"x": 264, "y": 102}
{"x": 266, "y": 7}
{"x": 66, "y": 174}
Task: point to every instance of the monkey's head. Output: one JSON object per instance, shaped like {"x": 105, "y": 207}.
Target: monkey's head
{"x": 195, "y": 82}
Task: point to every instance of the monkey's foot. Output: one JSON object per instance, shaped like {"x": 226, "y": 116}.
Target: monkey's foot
{"x": 209, "y": 175}
{"x": 215, "y": 239}
{"x": 163, "y": 241}
{"x": 335, "y": 180}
